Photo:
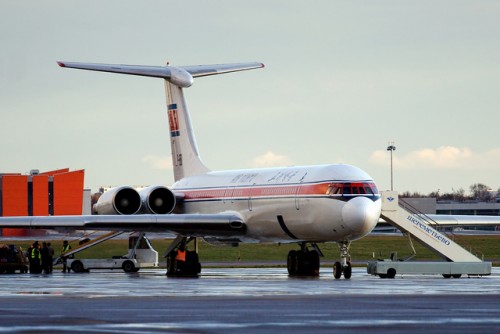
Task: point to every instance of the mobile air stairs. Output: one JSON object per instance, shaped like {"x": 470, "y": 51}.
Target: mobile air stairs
{"x": 87, "y": 244}
{"x": 458, "y": 262}
{"x": 140, "y": 254}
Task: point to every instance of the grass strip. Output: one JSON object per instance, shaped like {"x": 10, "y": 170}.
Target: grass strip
{"x": 369, "y": 248}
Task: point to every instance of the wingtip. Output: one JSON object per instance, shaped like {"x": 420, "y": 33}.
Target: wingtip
{"x": 61, "y": 64}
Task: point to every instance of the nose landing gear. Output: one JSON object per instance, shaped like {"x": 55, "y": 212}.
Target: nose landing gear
{"x": 344, "y": 266}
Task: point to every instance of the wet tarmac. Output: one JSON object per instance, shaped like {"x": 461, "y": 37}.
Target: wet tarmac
{"x": 256, "y": 300}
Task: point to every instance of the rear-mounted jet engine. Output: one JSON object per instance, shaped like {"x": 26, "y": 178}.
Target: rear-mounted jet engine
{"x": 126, "y": 200}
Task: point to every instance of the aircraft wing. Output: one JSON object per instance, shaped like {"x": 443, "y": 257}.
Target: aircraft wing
{"x": 196, "y": 225}
{"x": 465, "y": 220}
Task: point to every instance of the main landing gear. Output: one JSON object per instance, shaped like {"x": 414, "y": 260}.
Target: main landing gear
{"x": 305, "y": 262}
{"x": 180, "y": 261}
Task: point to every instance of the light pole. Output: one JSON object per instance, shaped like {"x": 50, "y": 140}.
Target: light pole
{"x": 391, "y": 148}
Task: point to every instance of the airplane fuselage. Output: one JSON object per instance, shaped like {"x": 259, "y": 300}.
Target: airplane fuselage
{"x": 311, "y": 203}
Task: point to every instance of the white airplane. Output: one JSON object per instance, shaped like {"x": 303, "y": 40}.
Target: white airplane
{"x": 305, "y": 205}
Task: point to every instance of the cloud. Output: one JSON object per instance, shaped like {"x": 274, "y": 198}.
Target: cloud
{"x": 271, "y": 159}
{"x": 156, "y": 162}
{"x": 444, "y": 157}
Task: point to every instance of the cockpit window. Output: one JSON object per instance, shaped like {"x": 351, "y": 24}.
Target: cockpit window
{"x": 334, "y": 189}
{"x": 352, "y": 188}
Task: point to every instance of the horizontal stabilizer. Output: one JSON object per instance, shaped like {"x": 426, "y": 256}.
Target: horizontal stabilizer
{"x": 205, "y": 70}
{"x": 181, "y": 76}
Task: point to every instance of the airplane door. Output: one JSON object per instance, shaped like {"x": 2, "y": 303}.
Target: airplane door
{"x": 297, "y": 191}
{"x": 297, "y": 196}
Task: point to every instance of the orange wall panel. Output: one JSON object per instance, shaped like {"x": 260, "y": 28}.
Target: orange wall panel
{"x": 14, "y": 200}
{"x": 40, "y": 195}
{"x": 14, "y": 195}
{"x": 68, "y": 193}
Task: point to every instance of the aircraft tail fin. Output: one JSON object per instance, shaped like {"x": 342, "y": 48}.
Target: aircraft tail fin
{"x": 185, "y": 157}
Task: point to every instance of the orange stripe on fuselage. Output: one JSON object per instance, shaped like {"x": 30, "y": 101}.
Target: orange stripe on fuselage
{"x": 255, "y": 192}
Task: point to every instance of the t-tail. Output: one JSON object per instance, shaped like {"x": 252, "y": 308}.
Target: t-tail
{"x": 185, "y": 156}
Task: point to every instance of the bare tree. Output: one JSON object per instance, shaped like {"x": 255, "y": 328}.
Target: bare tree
{"x": 459, "y": 195}
{"x": 480, "y": 192}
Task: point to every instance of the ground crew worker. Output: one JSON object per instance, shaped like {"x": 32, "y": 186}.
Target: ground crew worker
{"x": 28, "y": 255}
{"x": 65, "y": 248}
{"x": 45, "y": 258}
{"x": 180, "y": 258}
{"x": 36, "y": 258}
{"x": 22, "y": 258}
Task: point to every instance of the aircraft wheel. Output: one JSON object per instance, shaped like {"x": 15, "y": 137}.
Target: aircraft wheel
{"x": 171, "y": 264}
{"x": 77, "y": 266}
{"x": 292, "y": 263}
{"x": 313, "y": 267}
{"x": 128, "y": 266}
{"x": 192, "y": 265}
{"x": 348, "y": 270}
{"x": 391, "y": 273}
{"x": 337, "y": 270}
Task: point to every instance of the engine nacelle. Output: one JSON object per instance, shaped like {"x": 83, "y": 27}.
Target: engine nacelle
{"x": 123, "y": 200}
{"x": 157, "y": 200}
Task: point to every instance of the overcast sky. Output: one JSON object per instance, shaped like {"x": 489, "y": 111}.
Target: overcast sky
{"x": 342, "y": 79}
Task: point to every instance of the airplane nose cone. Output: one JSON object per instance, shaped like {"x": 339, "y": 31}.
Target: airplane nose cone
{"x": 360, "y": 215}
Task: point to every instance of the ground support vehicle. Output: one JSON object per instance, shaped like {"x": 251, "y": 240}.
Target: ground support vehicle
{"x": 12, "y": 259}
{"x": 425, "y": 229}
{"x": 389, "y": 269}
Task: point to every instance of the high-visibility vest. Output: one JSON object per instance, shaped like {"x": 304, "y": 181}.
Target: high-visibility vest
{"x": 181, "y": 255}
{"x": 65, "y": 248}
{"x": 35, "y": 253}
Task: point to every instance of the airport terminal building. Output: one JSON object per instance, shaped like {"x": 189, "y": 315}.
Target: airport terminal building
{"x": 431, "y": 205}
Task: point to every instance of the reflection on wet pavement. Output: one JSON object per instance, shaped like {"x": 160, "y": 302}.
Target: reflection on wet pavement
{"x": 247, "y": 301}
{"x": 237, "y": 282}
